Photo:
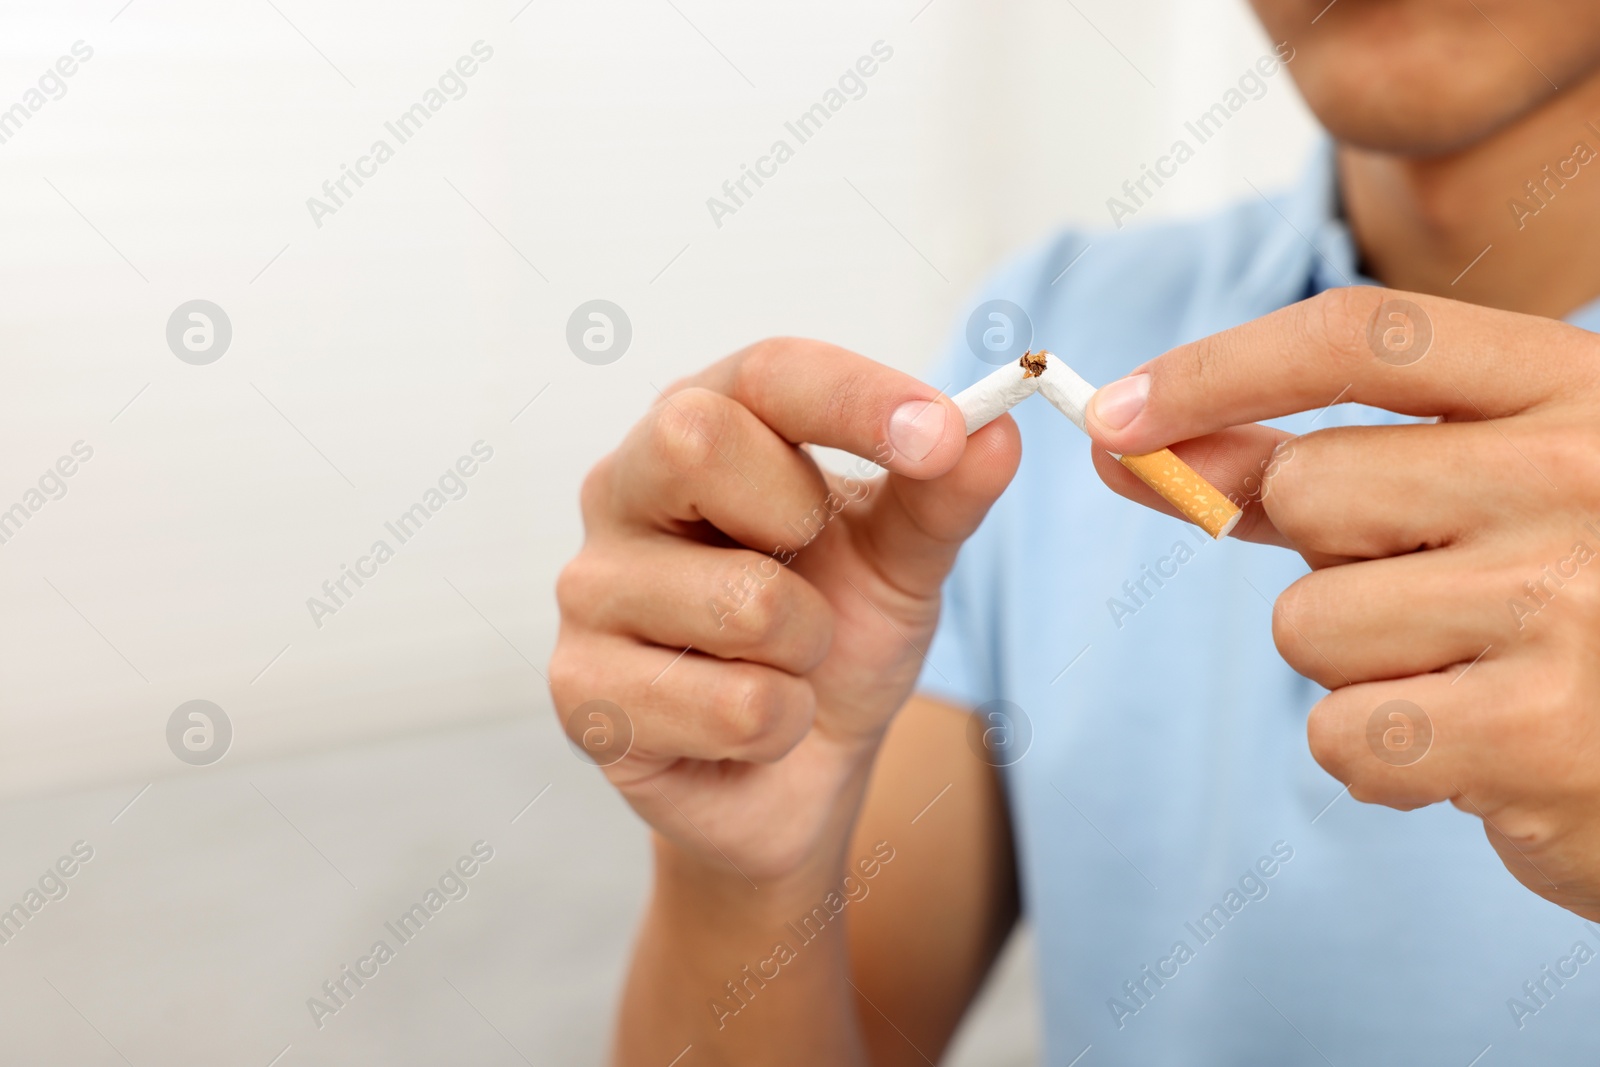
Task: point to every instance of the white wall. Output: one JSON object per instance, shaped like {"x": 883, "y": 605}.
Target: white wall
{"x": 426, "y": 312}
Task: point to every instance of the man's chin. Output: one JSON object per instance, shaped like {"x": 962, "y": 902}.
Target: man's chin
{"x": 1401, "y": 134}
{"x": 1408, "y": 118}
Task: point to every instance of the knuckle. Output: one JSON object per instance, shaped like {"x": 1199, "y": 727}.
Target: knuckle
{"x": 846, "y": 401}
{"x": 579, "y": 584}
{"x": 1338, "y": 318}
{"x": 756, "y": 614}
{"x": 756, "y": 364}
{"x": 594, "y": 493}
{"x": 752, "y": 706}
{"x": 1519, "y": 623}
{"x": 1528, "y": 830}
{"x": 1326, "y": 739}
{"x": 771, "y": 613}
{"x": 775, "y": 713}
{"x": 1196, "y": 358}
{"x": 1293, "y": 613}
{"x": 567, "y": 673}
{"x": 1299, "y": 616}
{"x": 686, "y": 428}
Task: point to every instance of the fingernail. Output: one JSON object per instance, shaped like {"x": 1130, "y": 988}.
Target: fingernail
{"x": 1120, "y": 402}
{"x": 915, "y": 427}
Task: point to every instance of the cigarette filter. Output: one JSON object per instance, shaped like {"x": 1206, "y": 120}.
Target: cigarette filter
{"x": 1195, "y": 498}
{"x": 1179, "y": 484}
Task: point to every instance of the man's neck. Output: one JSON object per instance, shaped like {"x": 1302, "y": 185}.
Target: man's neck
{"x": 1452, "y": 225}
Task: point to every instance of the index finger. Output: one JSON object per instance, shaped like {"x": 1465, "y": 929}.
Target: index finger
{"x": 810, "y": 392}
{"x": 1404, "y": 352}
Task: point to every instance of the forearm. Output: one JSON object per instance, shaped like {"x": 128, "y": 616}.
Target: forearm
{"x": 744, "y": 975}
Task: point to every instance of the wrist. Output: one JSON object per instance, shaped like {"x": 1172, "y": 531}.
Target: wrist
{"x": 692, "y": 887}
{"x": 806, "y": 838}
{"x": 711, "y": 948}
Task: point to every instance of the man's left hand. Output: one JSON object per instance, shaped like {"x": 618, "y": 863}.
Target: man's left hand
{"x": 1453, "y": 608}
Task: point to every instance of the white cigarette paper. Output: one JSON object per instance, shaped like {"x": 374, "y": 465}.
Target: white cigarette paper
{"x": 983, "y": 402}
{"x": 1069, "y": 393}
{"x": 1044, "y": 373}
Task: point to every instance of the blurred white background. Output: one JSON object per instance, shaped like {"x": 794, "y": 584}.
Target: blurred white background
{"x": 428, "y": 313}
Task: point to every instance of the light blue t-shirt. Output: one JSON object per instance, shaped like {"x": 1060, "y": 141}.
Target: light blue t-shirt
{"x": 1201, "y": 891}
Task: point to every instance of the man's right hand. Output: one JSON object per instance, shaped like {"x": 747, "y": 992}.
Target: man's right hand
{"x": 806, "y": 601}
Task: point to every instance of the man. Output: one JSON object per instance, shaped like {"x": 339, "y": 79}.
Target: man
{"x": 838, "y": 860}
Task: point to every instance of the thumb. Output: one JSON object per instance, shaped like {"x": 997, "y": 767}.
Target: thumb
{"x": 914, "y": 529}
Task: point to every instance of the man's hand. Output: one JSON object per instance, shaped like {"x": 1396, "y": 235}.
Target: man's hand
{"x": 759, "y": 624}
{"x": 1454, "y": 605}
{"x": 757, "y": 621}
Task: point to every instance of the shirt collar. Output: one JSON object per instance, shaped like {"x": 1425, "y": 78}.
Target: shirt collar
{"x": 1303, "y": 246}
{"x": 1330, "y": 258}
{"x": 1333, "y": 261}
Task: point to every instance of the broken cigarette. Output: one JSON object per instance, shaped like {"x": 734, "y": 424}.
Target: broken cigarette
{"x": 981, "y": 403}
